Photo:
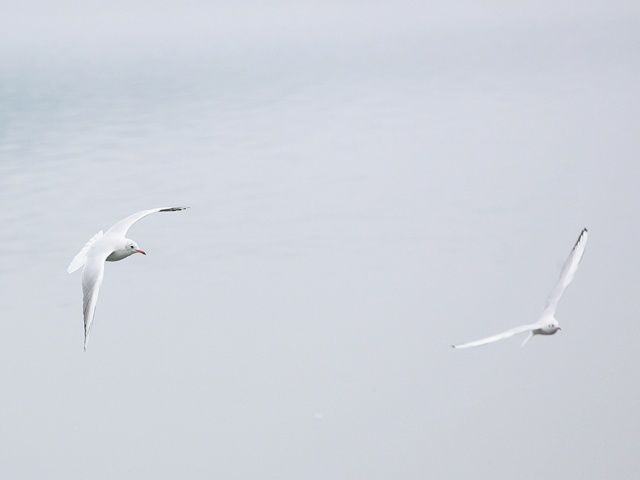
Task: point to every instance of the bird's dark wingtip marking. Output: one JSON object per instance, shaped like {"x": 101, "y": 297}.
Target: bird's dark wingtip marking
{"x": 582, "y": 233}
{"x": 173, "y": 209}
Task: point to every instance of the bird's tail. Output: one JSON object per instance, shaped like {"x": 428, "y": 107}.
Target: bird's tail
{"x": 527, "y": 338}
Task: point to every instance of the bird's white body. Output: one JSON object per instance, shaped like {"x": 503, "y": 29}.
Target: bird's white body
{"x": 111, "y": 246}
{"x": 547, "y": 323}
{"x": 549, "y": 326}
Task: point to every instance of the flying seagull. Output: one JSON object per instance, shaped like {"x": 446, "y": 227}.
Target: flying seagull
{"x": 547, "y": 324}
{"x": 111, "y": 247}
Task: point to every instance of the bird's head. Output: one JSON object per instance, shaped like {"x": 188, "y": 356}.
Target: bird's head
{"x": 132, "y": 247}
{"x": 551, "y": 326}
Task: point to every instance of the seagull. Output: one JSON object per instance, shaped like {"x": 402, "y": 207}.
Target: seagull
{"x": 547, "y": 324}
{"x": 111, "y": 247}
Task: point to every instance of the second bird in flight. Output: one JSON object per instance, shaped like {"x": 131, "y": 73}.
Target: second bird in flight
{"x": 547, "y": 324}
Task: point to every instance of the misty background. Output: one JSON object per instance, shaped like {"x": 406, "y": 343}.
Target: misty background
{"x": 369, "y": 182}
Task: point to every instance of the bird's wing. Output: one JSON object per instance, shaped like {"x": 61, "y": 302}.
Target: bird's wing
{"x": 499, "y": 336}
{"x": 568, "y": 272}
{"x": 123, "y": 226}
{"x": 91, "y": 281}
{"x": 81, "y": 257}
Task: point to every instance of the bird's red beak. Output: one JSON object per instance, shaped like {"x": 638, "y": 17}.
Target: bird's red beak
{"x": 141, "y": 251}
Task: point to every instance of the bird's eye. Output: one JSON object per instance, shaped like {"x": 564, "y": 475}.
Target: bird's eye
{"x": 131, "y": 246}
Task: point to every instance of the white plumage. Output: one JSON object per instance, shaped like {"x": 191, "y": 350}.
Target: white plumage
{"x": 547, "y": 324}
{"x": 110, "y": 246}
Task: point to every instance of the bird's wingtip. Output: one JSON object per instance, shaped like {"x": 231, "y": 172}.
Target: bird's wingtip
{"x": 173, "y": 209}
{"x": 582, "y": 236}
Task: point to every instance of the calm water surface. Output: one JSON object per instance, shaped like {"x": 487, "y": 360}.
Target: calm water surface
{"x": 361, "y": 198}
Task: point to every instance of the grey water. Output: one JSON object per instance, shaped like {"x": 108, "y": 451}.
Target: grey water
{"x": 368, "y": 184}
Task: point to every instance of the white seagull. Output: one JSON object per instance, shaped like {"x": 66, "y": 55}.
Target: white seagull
{"x": 111, "y": 247}
{"x": 547, "y": 324}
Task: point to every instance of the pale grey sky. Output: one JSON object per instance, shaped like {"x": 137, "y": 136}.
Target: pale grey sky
{"x": 369, "y": 183}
